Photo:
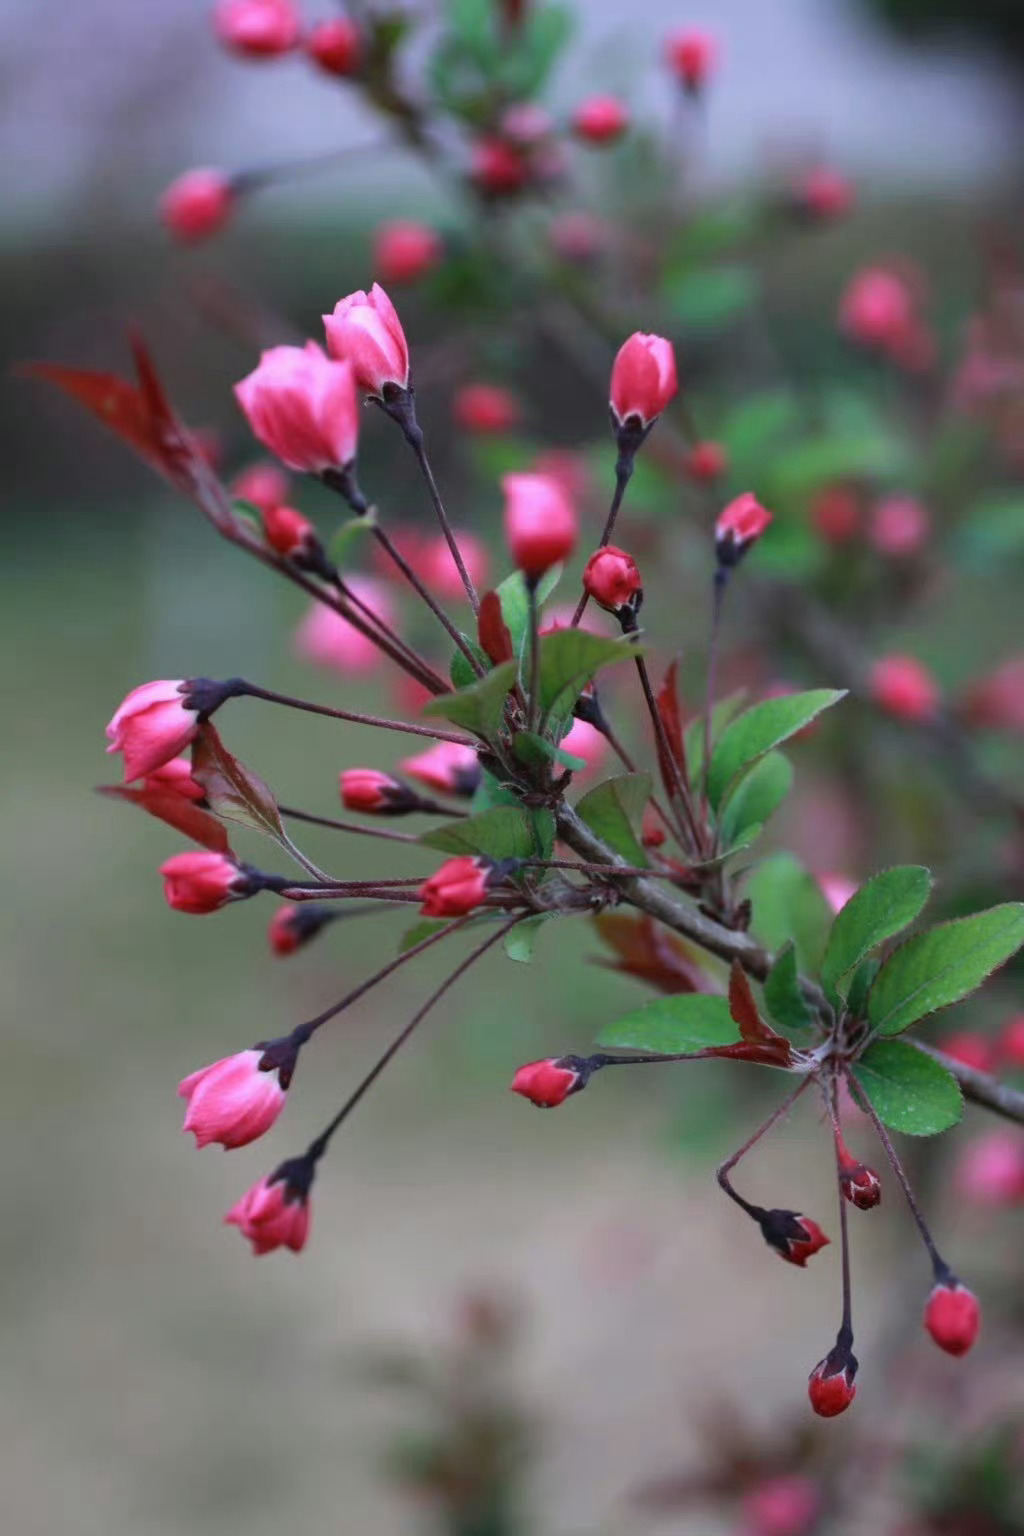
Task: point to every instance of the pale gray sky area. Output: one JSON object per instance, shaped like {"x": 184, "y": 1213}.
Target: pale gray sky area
{"x": 104, "y": 100}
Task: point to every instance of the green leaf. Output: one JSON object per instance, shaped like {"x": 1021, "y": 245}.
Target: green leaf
{"x": 759, "y": 729}
{"x": 480, "y": 708}
{"x": 788, "y": 904}
{"x": 460, "y": 671}
{"x": 783, "y": 997}
{"x": 756, "y": 797}
{"x": 939, "y": 967}
{"x": 506, "y": 832}
{"x": 882, "y": 907}
{"x": 693, "y": 736}
{"x": 711, "y": 297}
{"x": 909, "y": 1091}
{"x": 808, "y": 466}
{"x": 420, "y": 931}
{"x": 533, "y": 749}
{"x": 351, "y": 533}
{"x": 992, "y": 530}
{"x": 757, "y": 428}
{"x": 687, "y": 1022}
{"x": 614, "y": 810}
{"x": 515, "y": 605}
{"x": 860, "y": 985}
{"x": 521, "y": 940}
{"x": 491, "y": 792}
{"x": 569, "y": 659}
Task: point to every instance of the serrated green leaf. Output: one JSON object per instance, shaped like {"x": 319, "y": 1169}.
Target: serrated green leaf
{"x": 788, "y": 904}
{"x": 758, "y": 730}
{"x": 687, "y": 1022}
{"x": 860, "y": 985}
{"x": 933, "y": 969}
{"x": 693, "y": 737}
{"x": 909, "y": 1091}
{"x": 782, "y": 995}
{"x": 533, "y": 749}
{"x": 569, "y": 659}
{"x": 505, "y": 832}
{"x": 479, "y": 708}
{"x": 614, "y": 810}
{"x": 491, "y": 792}
{"x": 756, "y": 797}
{"x": 883, "y": 906}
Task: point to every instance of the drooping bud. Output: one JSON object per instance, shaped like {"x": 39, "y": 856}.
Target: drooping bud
{"x": 486, "y": 408}
{"x": 448, "y": 768}
{"x": 275, "y": 1212}
{"x": 290, "y": 534}
{"x": 644, "y": 380}
{"x": 831, "y": 1385}
{"x": 795, "y": 1238}
{"x": 303, "y": 407}
{"x": 231, "y": 1101}
{"x": 265, "y": 485}
{"x": 612, "y": 578}
{"x": 540, "y": 523}
{"x": 903, "y": 687}
{"x": 199, "y": 883}
{"x": 257, "y": 29}
{"x": 152, "y": 724}
{"x": 458, "y": 887}
{"x": 690, "y": 55}
{"x": 860, "y": 1184}
{"x": 405, "y": 250}
{"x": 952, "y": 1316}
{"x": 549, "y": 1083}
{"x": 336, "y": 46}
{"x": 378, "y": 794}
{"x": 294, "y": 925}
{"x": 365, "y": 330}
{"x": 739, "y": 526}
{"x": 197, "y": 204}
{"x": 600, "y": 119}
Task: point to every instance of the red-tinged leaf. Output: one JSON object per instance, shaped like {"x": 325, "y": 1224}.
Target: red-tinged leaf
{"x": 757, "y": 1034}
{"x": 761, "y": 1055}
{"x": 178, "y": 812}
{"x": 495, "y": 640}
{"x": 651, "y": 953}
{"x": 234, "y": 792}
{"x": 671, "y": 715}
{"x": 116, "y": 403}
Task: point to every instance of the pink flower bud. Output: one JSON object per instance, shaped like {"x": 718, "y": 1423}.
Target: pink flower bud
{"x": 405, "y": 250}
{"x": 831, "y": 1386}
{"x": 1011, "y": 1042}
{"x": 835, "y": 514}
{"x": 257, "y": 29}
{"x": 546, "y": 1083}
{"x": 705, "y": 462}
{"x": 612, "y": 578}
{"x": 540, "y": 523}
{"x": 265, "y": 485}
{"x": 795, "y": 1238}
{"x": 584, "y": 740}
{"x": 437, "y": 567}
{"x": 302, "y": 407}
{"x": 486, "y": 408}
{"x": 198, "y": 883}
{"x": 328, "y": 640}
{"x": 497, "y": 168}
{"x": 990, "y": 1169}
{"x": 600, "y": 119}
{"x": 289, "y": 533}
{"x": 860, "y": 1184}
{"x": 953, "y": 1316}
{"x": 456, "y": 888}
{"x": 899, "y": 526}
{"x": 231, "y": 1101}
{"x": 690, "y": 55}
{"x": 198, "y": 204}
{"x": 272, "y": 1215}
{"x": 526, "y": 123}
{"x": 997, "y": 701}
{"x": 365, "y": 330}
{"x": 292, "y": 926}
{"x": 448, "y": 768}
{"x": 824, "y": 193}
{"x": 175, "y": 778}
{"x": 643, "y": 378}
{"x": 903, "y": 687}
{"x": 741, "y": 524}
{"x": 336, "y": 46}
{"x": 877, "y": 310}
{"x": 781, "y": 1506}
{"x": 152, "y": 725}
{"x": 365, "y": 789}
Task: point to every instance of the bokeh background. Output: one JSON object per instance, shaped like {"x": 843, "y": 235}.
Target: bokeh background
{"x": 157, "y": 1381}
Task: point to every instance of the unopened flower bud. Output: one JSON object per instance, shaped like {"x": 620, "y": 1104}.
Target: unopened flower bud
{"x": 232, "y": 1101}
{"x": 540, "y": 523}
{"x": 643, "y": 381}
{"x": 691, "y": 56}
{"x": 266, "y": 485}
{"x": 197, "y": 204}
{"x": 795, "y": 1238}
{"x": 378, "y": 794}
{"x": 275, "y": 1212}
{"x": 152, "y": 724}
{"x": 612, "y": 578}
{"x": 448, "y": 768}
{"x": 787, "y": 1505}
{"x": 199, "y": 883}
{"x": 294, "y": 925}
{"x": 860, "y": 1184}
{"x": 405, "y": 250}
{"x": 739, "y": 526}
{"x": 706, "y": 461}
{"x": 303, "y": 407}
{"x": 600, "y": 119}
{"x": 290, "y": 534}
{"x": 486, "y": 408}
{"x": 257, "y": 29}
{"x": 365, "y": 330}
{"x": 497, "y": 168}
{"x": 899, "y": 526}
{"x": 458, "y": 887}
{"x": 336, "y": 46}
{"x": 831, "y": 1386}
{"x": 823, "y": 193}
{"x": 953, "y": 1316}
{"x": 549, "y": 1082}
{"x": 904, "y": 688}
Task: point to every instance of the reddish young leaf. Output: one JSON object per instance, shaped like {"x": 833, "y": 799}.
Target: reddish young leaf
{"x": 758, "y": 1036}
{"x": 651, "y": 953}
{"x": 233, "y": 790}
{"x": 116, "y": 403}
{"x": 495, "y": 640}
{"x": 178, "y": 812}
{"x": 671, "y": 716}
